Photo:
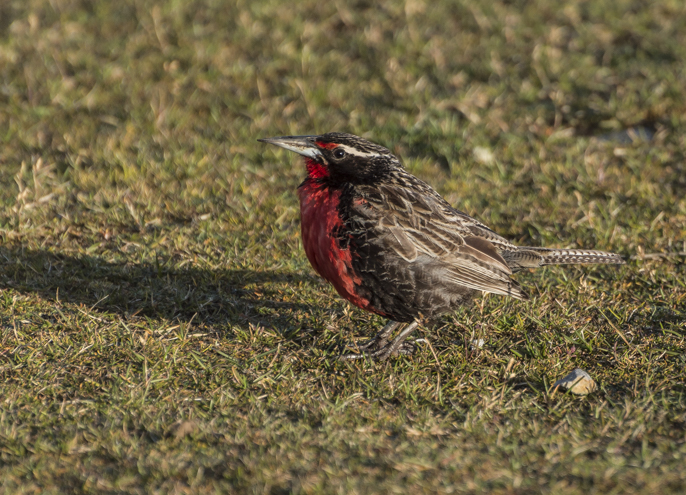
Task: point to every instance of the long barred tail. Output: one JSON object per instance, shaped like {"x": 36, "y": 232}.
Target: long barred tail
{"x": 576, "y": 256}
{"x": 531, "y": 257}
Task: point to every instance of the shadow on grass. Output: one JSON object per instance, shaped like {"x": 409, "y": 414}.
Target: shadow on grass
{"x": 204, "y": 296}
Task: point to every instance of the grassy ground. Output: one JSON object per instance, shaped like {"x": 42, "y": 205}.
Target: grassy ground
{"x": 162, "y": 330}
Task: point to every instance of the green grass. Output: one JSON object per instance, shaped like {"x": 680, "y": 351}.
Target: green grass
{"x": 162, "y": 330}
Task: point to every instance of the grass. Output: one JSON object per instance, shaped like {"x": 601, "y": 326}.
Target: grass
{"x": 162, "y": 330}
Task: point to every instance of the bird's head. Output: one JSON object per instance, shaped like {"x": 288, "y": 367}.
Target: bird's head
{"x": 337, "y": 157}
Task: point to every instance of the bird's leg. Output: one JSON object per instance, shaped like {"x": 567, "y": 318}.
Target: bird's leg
{"x": 379, "y": 347}
{"x": 398, "y": 345}
{"x": 380, "y": 339}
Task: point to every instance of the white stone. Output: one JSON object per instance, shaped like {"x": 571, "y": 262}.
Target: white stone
{"x": 578, "y": 382}
{"x": 483, "y": 155}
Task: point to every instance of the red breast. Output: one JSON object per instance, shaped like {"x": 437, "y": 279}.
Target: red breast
{"x": 319, "y": 221}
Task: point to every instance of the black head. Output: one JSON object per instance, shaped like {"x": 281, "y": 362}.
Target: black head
{"x": 337, "y": 157}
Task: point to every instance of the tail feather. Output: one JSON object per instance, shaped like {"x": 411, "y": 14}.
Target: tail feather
{"x": 574, "y": 256}
{"x": 531, "y": 257}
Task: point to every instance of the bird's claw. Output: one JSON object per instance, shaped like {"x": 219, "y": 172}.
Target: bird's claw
{"x": 380, "y": 350}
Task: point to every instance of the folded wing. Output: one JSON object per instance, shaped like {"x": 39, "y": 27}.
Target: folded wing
{"x": 424, "y": 230}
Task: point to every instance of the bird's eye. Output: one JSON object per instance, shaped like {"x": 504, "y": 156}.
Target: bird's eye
{"x": 338, "y": 153}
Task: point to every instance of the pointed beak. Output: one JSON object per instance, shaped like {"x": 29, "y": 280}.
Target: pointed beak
{"x": 303, "y": 145}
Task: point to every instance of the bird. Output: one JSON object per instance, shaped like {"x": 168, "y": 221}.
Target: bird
{"x": 390, "y": 244}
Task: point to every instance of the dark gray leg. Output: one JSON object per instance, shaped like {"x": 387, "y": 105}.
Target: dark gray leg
{"x": 381, "y": 338}
{"x": 380, "y": 349}
{"x": 398, "y": 344}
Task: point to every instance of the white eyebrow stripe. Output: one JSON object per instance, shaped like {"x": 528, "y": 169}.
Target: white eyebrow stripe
{"x": 354, "y": 152}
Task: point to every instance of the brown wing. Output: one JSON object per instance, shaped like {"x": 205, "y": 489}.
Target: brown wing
{"x": 420, "y": 227}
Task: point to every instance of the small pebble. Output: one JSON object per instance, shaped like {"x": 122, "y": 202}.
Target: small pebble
{"x": 477, "y": 344}
{"x": 483, "y": 155}
{"x": 578, "y": 382}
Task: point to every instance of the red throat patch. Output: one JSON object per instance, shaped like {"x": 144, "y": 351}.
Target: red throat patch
{"x": 315, "y": 170}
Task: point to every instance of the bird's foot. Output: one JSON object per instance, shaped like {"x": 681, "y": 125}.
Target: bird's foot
{"x": 380, "y": 350}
